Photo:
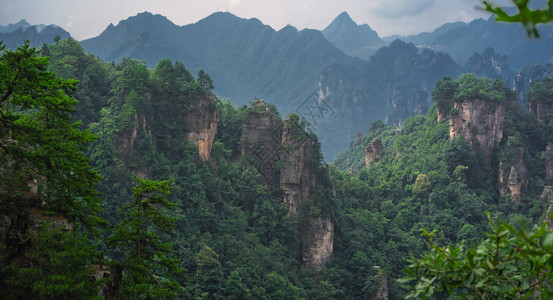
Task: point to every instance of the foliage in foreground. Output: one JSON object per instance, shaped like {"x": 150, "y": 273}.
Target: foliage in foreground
{"x": 529, "y": 18}
{"x": 511, "y": 263}
{"x": 44, "y": 172}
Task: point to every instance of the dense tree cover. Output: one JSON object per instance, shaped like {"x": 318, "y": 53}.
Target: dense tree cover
{"x": 542, "y": 90}
{"x": 43, "y": 172}
{"x": 68, "y": 60}
{"x": 144, "y": 254}
{"x": 37, "y": 132}
{"x": 469, "y": 87}
{"x": 231, "y": 233}
{"x": 428, "y": 181}
{"x": 57, "y": 266}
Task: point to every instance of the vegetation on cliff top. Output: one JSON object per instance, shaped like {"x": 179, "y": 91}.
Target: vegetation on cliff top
{"x": 232, "y": 234}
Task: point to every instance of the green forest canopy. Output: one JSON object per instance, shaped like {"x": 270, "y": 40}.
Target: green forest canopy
{"x": 232, "y": 234}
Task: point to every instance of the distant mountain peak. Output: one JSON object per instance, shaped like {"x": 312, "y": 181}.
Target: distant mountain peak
{"x": 147, "y": 13}
{"x": 344, "y": 18}
{"x": 353, "y": 39}
{"x": 14, "y": 26}
{"x": 289, "y": 28}
{"x": 21, "y": 22}
{"x": 145, "y": 17}
{"x": 222, "y": 15}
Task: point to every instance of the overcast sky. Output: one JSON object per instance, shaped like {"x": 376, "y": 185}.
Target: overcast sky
{"x": 88, "y": 18}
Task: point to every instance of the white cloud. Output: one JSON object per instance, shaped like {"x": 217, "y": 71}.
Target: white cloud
{"x": 399, "y": 8}
{"x": 70, "y": 21}
{"x": 234, "y": 3}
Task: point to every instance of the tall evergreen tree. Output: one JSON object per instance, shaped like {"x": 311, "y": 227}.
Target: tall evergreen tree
{"x": 148, "y": 270}
{"x": 43, "y": 172}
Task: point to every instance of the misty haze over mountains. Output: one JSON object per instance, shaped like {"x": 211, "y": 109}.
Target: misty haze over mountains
{"x": 359, "y": 75}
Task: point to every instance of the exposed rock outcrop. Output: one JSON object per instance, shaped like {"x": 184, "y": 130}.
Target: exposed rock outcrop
{"x": 317, "y": 243}
{"x": 547, "y": 200}
{"x": 549, "y": 162}
{"x": 202, "y": 124}
{"x": 512, "y": 171}
{"x": 124, "y": 142}
{"x": 480, "y": 122}
{"x": 546, "y": 196}
{"x": 36, "y": 218}
{"x": 298, "y": 179}
{"x": 261, "y": 138}
{"x": 489, "y": 64}
{"x": 540, "y": 109}
{"x": 284, "y": 154}
{"x": 373, "y": 152}
{"x": 381, "y": 278}
{"x": 110, "y": 289}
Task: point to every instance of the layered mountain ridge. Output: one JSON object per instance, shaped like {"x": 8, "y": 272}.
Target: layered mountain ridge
{"x": 248, "y": 60}
{"x": 355, "y": 40}
{"x": 13, "y": 35}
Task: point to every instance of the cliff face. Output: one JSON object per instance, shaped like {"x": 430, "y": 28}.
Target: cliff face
{"x": 546, "y": 200}
{"x": 298, "y": 179}
{"x": 540, "y": 109}
{"x": 549, "y": 162}
{"x": 21, "y": 200}
{"x": 382, "y": 292}
{"x": 393, "y": 84}
{"x": 283, "y": 153}
{"x": 124, "y": 143}
{"x": 546, "y": 196}
{"x": 490, "y": 64}
{"x": 373, "y": 152}
{"x": 261, "y": 137}
{"x": 317, "y": 243}
{"x": 478, "y": 121}
{"x": 202, "y": 124}
{"x": 113, "y": 275}
{"x": 512, "y": 171}
{"x": 441, "y": 114}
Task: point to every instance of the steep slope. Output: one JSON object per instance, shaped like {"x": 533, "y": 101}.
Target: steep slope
{"x": 460, "y": 40}
{"x": 395, "y": 83}
{"x": 146, "y": 37}
{"x": 36, "y": 34}
{"x": 246, "y": 58}
{"x": 355, "y": 40}
{"x": 14, "y": 26}
{"x": 490, "y": 64}
{"x": 297, "y": 71}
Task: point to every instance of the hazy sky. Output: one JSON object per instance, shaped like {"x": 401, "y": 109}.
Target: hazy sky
{"x": 88, "y": 18}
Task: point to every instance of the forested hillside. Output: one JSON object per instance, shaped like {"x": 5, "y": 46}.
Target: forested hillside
{"x": 203, "y": 199}
{"x": 246, "y": 58}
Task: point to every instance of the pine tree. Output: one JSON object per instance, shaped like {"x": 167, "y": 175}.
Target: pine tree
{"x": 148, "y": 270}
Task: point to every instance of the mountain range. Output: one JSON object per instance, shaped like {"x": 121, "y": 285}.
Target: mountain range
{"x": 358, "y": 76}
{"x": 13, "y": 35}
{"x": 461, "y": 40}
{"x": 246, "y": 58}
